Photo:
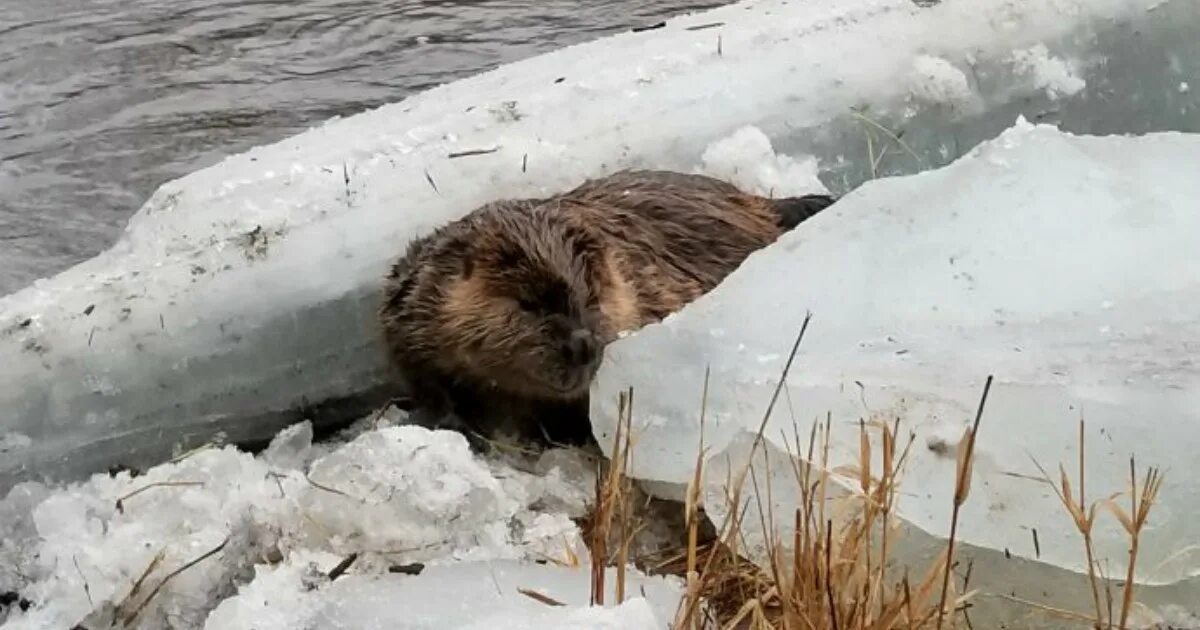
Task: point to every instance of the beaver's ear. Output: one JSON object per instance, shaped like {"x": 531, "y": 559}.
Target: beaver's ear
{"x": 399, "y": 271}
{"x": 399, "y": 284}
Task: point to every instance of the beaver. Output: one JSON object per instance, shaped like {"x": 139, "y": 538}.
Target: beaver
{"x": 498, "y": 321}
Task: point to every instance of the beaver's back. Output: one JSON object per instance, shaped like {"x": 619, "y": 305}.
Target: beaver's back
{"x": 676, "y": 235}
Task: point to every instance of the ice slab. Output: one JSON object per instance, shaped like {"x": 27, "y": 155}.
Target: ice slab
{"x": 240, "y": 298}
{"x": 1064, "y": 265}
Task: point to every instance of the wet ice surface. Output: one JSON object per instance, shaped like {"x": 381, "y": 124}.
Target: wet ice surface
{"x": 1064, "y": 265}
{"x": 282, "y": 521}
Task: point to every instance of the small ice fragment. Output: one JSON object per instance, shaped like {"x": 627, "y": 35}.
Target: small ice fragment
{"x": 290, "y": 447}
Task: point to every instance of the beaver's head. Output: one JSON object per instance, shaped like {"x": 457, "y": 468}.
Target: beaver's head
{"x": 512, "y": 302}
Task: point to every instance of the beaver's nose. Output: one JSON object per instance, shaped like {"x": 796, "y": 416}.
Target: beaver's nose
{"x": 582, "y": 347}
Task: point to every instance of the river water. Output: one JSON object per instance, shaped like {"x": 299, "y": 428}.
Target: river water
{"x": 103, "y": 100}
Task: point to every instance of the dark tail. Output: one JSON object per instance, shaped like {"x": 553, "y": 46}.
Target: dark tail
{"x": 793, "y": 211}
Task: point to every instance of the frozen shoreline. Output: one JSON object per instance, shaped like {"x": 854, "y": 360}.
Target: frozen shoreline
{"x": 240, "y": 301}
{"x": 214, "y": 314}
{"x": 389, "y": 496}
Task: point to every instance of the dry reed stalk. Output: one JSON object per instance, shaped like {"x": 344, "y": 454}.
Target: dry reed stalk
{"x": 129, "y": 618}
{"x": 731, "y": 527}
{"x": 827, "y": 584}
{"x": 837, "y": 577}
{"x": 830, "y": 584}
{"x": 1088, "y": 547}
{"x": 621, "y": 501}
{"x": 539, "y": 597}
{"x": 1084, "y": 519}
{"x": 127, "y": 601}
{"x": 120, "y": 504}
{"x": 598, "y": 543}
{"x": 962, "y": 487}
{"x": 1140, "y": 506}
{"x": 612, "y": 511}
{"x": 686, "y": 615}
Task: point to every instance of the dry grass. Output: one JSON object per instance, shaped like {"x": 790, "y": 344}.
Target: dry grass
{"x": 612, "y": 514}
{"x": 1083, "y": 515}
{"x": 835, "y": 571}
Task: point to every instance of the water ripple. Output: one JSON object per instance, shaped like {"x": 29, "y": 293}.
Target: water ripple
{"x": 103, "y": 100}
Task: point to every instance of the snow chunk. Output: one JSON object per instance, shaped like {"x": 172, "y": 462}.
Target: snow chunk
{"x": 278, "y": 596}
{"x": 291, "y": 448}
{"x": 1055, "y": 75}
{"x": 13, "y": 442}
{"x": 408, "y": 484}
{"x": 393, "y": 495}
{"x": 1065, "y": 265}
{"x": 938, "y": 81}
{"x": 747, "y": 160}
{"x": 92, "y": 541}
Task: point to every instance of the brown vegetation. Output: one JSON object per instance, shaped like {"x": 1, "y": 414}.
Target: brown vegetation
{"x": 836, "y": 570}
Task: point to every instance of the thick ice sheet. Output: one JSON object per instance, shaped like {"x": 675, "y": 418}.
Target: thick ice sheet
{"x": 1066, "y": 266}
{"x": 240, "y": 298}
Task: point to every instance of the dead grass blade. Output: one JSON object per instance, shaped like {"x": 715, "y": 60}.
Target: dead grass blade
{"x": 962, "y": 487}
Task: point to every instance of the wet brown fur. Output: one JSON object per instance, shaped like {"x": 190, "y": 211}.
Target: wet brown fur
{"x": 478, "y": 315}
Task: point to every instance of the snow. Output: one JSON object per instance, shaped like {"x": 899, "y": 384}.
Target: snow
{"x": 747, "y": 160}
{"x": 470, "y": 595}
{"x": 938, "y": 81}
{"x": 240, "y": 298}
{"x": 1054, "y": 75}
{"x": 1065, "y": 265}
{"x": 281, "y": 521}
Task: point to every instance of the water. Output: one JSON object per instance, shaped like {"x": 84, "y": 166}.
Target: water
{"x": 103, "y": 100}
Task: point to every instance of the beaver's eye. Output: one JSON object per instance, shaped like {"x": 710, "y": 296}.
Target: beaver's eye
{"x": 508, "y": 259}
{"x": 556, "y": 300}
{"x": 545, "y": 299}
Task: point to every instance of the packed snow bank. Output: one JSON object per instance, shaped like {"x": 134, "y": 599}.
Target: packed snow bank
{"x": 277, "y": 524}
{"x": 240, "y": 299}
{"x": 469, "y": 595}
{"x": 1064, "y": 265}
